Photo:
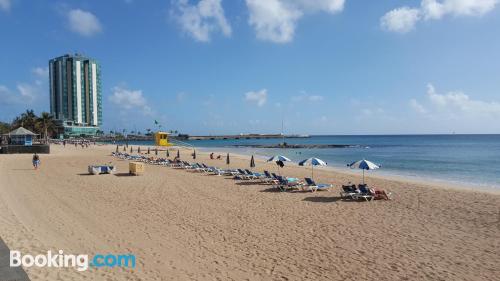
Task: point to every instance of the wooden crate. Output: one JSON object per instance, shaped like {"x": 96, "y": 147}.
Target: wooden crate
{"x": 136, "y": 168}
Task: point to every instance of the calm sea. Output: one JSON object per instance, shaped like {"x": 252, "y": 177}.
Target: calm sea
{"x": 460, "y": 159}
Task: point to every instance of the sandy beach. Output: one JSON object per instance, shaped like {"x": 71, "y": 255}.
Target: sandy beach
{"x": 192, "y": 226}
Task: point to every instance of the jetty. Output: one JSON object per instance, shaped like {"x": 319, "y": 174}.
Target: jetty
{"x": 296, "y": 146}
{"x": 245, "y": 136}
{"x": 184, "y": 137}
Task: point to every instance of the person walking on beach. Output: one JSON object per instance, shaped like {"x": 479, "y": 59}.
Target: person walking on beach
{"x": 36, "y": 161}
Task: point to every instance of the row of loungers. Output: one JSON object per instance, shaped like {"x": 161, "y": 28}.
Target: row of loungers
{"x": 362, "y": 192}
{"x": 280, "y": 182}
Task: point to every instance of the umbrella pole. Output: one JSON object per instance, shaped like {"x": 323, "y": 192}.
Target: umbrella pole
{"x": 363, "y": 176}
{"x": 312, "y": 172}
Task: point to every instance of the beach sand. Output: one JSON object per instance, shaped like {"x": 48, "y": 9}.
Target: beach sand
{"x": 191, "y": 226}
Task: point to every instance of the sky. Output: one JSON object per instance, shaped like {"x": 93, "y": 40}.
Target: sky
{"x": 243, "y": 66}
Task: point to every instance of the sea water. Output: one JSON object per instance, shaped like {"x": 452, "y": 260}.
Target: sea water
{"x": 471, "y": 160}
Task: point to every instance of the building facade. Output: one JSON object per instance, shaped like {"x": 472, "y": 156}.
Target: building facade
{"x": 75, "y": 95}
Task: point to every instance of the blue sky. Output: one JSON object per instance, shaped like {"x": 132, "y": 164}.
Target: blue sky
{"x": 240, "y": 66}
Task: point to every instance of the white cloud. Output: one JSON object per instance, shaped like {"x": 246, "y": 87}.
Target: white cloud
{"x": 276, "y": 20}
{"x": 306, "y": 97}
{"x": 434, "y": 9}
{"x": 455, "y": 104}
{"x": 400, "y": 20}
{"x": 25, "y": 94}
{"x": 315, "y": 98}
{"x": 130, "y": 100}
{"x": 26, "y": 91}
{"x": 417, "y": 106}
{"x": 5, "y": 95}
{"x": 83, "y": 22}
{"x": 372, "y": 111}
{"x": 5, "y": 5}
{"x": 41, "y": 72}
{"x": 272, "y": 20}
{"x": 259, "y": 97}
{"x": 201, "y": 20}
{"x": 404, "y": 19}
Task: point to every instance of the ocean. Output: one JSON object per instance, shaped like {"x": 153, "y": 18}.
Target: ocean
{"x": 466, "y": 160}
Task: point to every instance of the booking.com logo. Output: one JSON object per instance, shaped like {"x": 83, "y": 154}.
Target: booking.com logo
{"x": 80, "y": 262}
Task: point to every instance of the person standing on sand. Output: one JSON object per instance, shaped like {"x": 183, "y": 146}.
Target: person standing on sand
{"x": 36, "y": 161}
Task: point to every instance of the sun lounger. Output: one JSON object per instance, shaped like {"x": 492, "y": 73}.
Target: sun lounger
{"x": 241, "y": 175}
{"x": 204, "y": 168}
{"x": 201, "y": 168}
{"x": 101, "y": 169}
{"x": 311, "y": 185}
{"x": 191, "y": 167}
{"x": 188, "y": 166}
{"x": 268, "y": 178}
{"x": 286, "y": 184}
{"x": 348, "y": 191}
{"x": 364, "y": 193}
{"x": 220, "y": 172}
{"x": 252, "y": 175}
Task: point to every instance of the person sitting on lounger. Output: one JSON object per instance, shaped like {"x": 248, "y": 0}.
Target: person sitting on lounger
{"x": 212, "y": 155}
{"x": 380, "y": 194}
{"x": 219, "y": 157}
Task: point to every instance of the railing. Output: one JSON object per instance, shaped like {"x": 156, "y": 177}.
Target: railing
{"x": 181, "y": 143}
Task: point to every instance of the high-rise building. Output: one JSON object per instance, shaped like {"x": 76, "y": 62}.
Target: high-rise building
{"x": 75, "y": 95}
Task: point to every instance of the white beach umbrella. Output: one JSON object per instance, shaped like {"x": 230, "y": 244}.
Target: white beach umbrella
{"x": 312, "y": 162}
{"x": 364, "y": 165}
{"x": 277, "y": 158}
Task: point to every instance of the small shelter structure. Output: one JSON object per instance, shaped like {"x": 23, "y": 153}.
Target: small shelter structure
{"x": 161, "y": 139}
{"x": 21, "y": 136}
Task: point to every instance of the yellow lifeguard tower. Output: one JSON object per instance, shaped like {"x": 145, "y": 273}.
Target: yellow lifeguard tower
{"x": 161, "y": 139}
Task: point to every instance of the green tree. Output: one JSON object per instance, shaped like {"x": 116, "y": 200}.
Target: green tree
{"x": 4, "y": 127}
{"x": 45, "y": 125}
{"x": 27, "y": 120}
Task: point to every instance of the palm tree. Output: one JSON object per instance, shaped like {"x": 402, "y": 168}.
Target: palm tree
{"x": 27, "y": 120}
{"x": 46, "y": 124}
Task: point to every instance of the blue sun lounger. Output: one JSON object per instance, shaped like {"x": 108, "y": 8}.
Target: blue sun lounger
{"x": 313, "y": 186}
